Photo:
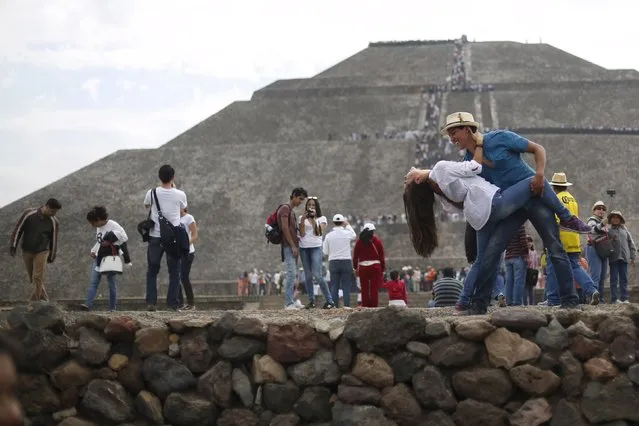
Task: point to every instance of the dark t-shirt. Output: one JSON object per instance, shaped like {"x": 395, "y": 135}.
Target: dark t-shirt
{"x": 37, "y": 233}
{"x": 283, "y": 214}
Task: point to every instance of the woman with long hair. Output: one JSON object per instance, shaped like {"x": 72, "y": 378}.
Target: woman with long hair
{"x": 369, "y": 264}
{"x": 311, "y": 232}
{"x": 460, "y": 189}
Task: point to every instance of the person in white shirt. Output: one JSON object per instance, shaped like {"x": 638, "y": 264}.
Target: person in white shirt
{"x": 98, "y": 217}
{"x": 337, "y": 246}
{"x": 171, "y": 200}
{"x": 311, "y": 230}
{"x": 187, "y": 261}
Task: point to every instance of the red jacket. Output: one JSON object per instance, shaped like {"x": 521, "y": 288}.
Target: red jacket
{"x": 374, "y": 251}
{"x": 396, "y": 290}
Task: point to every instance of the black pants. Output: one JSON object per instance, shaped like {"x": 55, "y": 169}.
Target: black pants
{"x": 185, "y": 273}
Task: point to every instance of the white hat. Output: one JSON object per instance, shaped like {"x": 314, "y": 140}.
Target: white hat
{"x": 458, "y": 119}
{"x": 560, "y": 179}
{"x": 597, "y": 204}
{"x": 369, "y": 227}
{"x": 338, "y": 218}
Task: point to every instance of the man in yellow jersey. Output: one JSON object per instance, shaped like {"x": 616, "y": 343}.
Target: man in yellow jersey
{"x": 572, "y": 244}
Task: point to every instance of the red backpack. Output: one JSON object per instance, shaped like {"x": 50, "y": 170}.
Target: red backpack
{"x": 273, "y": 232}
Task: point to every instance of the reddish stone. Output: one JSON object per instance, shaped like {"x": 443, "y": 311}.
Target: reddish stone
{"x": 291, "y": 342}
{"x": 121, "y": 329}
{"x": 584, "y": 348}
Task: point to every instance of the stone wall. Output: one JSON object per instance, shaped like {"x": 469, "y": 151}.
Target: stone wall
{"x": 374, "y": 367}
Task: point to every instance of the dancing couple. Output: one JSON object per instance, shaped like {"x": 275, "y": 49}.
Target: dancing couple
{"x": 497, "y": 191}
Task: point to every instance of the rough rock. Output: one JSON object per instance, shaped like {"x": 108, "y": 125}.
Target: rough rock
{"x": 534, "y": 412}
{"x": 472, "y": 413}
{"x": 280, "y": 398}
{"x": 242, "y": 387}
{"x": 266, "y": 370}
{"x": 614, "y": 326}
{"x": 107, "y": 399}
{"x": 118, "y": 361}
{"x": 37, "y": 316}
{"x": 373, "y": 370}
{"x": 436, "y": 328}
{"x": 71, "y": 374}
{"x": 623, "y": 350}
{"x": 93, "y": 321}
{"x": 359, "y": 395}
{"x": 343, "y": 353}
{"x": 223, "y": 327}
{"x": 250, "y": 327}
{"x": 474, "y": 329}
{"x": 217, "y": 384}
{"x": 321, "y": 369}
{"x": 584, "y": 348}
{"x": 433, "y": 390}
{"x": 291, "y": 342}
{"x": 567, "y": 414}
{"x": 152, "y": 340}
{"x": 405, "y": 365}
{"x": 64, "y": 414}
{"x": 121, "y": 329}
{"x": 350, "y": 380}
{"x": 580, "y": 328}
{"x": 164, "y": 375}
{"x": 452, "y": 352}
{"x": 507, "y": 349}
{"x": 553, "y": 337}
{"x": 314, "y": 405}
{"x": 533, "y": 380}
{"x": 600, "y": 369}
{"x": 633, "y": 374}
{"x": 337, "y": 327}
{"x": 36, "y": 395}
{"x": 484, "y": 384}
{"x": 400, "y": 404}
{"x": 615, "y": 400}
{"x": 43, "y": 350}
{"x": 359, "y": 415}
{"x": 384, "y": 330}
{"x": 572, "y": 374}
{"x": 195, "y": 351}
{"x": 182, "y": 326}
{"x": 548, "y": 362}
{"x": 150, "y": 407}
{"x": 238, "y": 417}
{"x": 519, "y": 319}
{"x": 188, "y": 409}
{"x": 437, "y": 418}
{"x": 288, "y": 419}
{"x": 239, "y": 349}
{"x": 105, "y": 373}
{"x": 131, "y": 376}
{"x": 76, "y": 421}
{"x": 94, "y": 348}
{"x": 418, "y": 348}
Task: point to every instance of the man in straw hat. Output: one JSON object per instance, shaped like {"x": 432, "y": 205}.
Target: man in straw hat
{"x": 572, "y": 245}
{"x": 598, "y": 264}
{"x": 505, "y": 167}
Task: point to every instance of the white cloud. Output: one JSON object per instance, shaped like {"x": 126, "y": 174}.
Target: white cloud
{"x": 124, "y": 83}
{"x": 92, "y": 86}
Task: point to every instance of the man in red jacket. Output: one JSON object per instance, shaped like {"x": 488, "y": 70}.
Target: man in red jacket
{"x": 369, "y": 263}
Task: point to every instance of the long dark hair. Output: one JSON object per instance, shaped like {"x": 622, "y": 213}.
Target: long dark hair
{"x": 366, "y": 236}
{"x": 419, "y": 203}
{"x": 318, "y": 213}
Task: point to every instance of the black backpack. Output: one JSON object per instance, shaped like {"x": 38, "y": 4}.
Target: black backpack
{"x": 174, "y": 239}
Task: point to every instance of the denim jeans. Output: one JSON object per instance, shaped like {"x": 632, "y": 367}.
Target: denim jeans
{"x": 341, "y": 277}
{"x": 581, "y": 276}
{"x": 290, "y": 263}
{"x": 95, "y": 282}
{"x": 154, "y": 255}
{"x": 494, "y": 240}
{"x": 618, "y": 275}
{"x": 185, "y": 278}
{"x": 598, "y": 268}
{"x": 312, "y": 262}
{"x": 515, "y": 280}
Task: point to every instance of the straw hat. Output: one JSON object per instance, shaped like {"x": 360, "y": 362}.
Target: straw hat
{"x": 618, "y": 214}
{"x": 560, "y": 179}
{"x": 458, "y": 119}
{"x": 598, "y": 204}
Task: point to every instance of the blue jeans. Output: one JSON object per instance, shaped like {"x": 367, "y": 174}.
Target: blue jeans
{"x": 312, "y": 262}
{"x": 154, "y": 257}
{"x": 581, "y": 276}
{"x": 290, "y": 263}
{"x": 494, "y": 239}
{"x": 341, "y": 276}
{"x": 598, "y": 268}
{"x": 618, "y": 275}
{"x": 515, "y": 280}
{"x": 95, "y": 282}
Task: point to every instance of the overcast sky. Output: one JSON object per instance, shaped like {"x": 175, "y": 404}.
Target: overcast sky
{"x": 80, "y": 79}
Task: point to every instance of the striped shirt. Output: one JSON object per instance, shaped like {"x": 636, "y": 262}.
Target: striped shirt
{"x": 39, "y": 233}
{"x": 447, "y": 291}
{"x": 518, "y": 245}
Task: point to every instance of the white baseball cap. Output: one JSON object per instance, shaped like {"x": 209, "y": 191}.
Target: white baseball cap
{"x": 338, "y": 218}
{"x": 369, "y": 227}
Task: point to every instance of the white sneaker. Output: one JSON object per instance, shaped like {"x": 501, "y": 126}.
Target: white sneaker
{"x": 625, "y": 301}
{"x": 298, "y": 304}
{"x": 292, "y": 306}
{"x": 544, "y": 303}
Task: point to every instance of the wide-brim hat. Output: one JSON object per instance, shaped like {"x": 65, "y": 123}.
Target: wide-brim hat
{"x": 458, "y": 119}
{"x": 599, "y": 204}
{"x": 617, "y": 213}
{"x": 560, "y": 179}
